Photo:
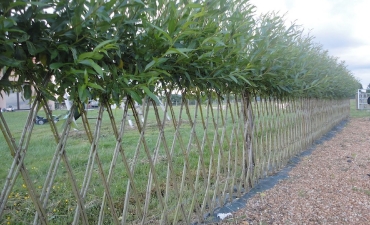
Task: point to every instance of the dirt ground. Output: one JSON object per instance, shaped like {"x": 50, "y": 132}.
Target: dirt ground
{"x": 330, "y": 186}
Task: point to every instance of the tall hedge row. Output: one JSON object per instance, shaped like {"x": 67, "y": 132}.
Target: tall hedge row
{"x": 102, "y": 48}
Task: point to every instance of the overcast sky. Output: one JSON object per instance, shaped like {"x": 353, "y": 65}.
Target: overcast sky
{"x": 341, "y": 26}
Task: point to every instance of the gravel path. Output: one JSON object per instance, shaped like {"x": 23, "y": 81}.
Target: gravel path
{"x": 330, "y": 186}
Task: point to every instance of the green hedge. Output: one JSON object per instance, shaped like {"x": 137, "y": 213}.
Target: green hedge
{"x": 115, "y": 48}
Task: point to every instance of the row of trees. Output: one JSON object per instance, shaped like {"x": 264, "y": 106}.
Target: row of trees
{"x": 110, "y": 49}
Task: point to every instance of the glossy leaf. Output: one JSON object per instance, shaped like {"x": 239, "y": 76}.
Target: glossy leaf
{"x": 91, "y": 63}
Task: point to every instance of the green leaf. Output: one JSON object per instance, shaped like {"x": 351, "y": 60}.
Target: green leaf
{"x": 86, "y": 77}
{"x": 165, "y": 34}
{"x": 149, "y": 65}
{"x": 110, "y": 4}
{"x": 90, "y": 55}
{"x": 95, "y": 86}
{"x": 188, "y": 77}
{"x": 163, "y": 72}
{"x": 55, "y": 66}
{"x": 139, "y": 1}
{"x": 233, "y": 78}
{"x": 194, "y": 5}
{"x": 155, "y": 61}
{"x": 172, "y": 25}
{"x": 76, "y": 21}
{"x": 31, "y": 48}
{"x": 40, "y": 4}
{"x": 150, "y": 94}
{"x": 89, "y": 62}
{"x": 47, "y": 94}
{"x": 213, "y": 40}
{"x": 245, "y": 80}
{"x": 54, "y": 54}
{"x": 186, "y": 25}
{"x": 150, "y": 74}
{"x": 180, "y": 51}
{"x": 101, "y": 45}
{"x": 5, "y": 61}
{"x": 74, "y": 53}
{"x": 17, "y": 3}
{"x": 63, "y": 47}
{"x": 82, "y": 92}
{"x": 314, "y": 82}
{"x": 200, "y": 14}
{"x": 135, "y": 96}
{"x": 27, "y": 92}
{"x": 206, "y": 55}
{"x": 24, "y": 38}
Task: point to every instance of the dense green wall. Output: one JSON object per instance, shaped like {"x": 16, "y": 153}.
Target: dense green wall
{"x": 114, "y": 48}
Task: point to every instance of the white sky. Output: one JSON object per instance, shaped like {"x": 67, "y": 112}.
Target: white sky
{"x": 341, "y": 26}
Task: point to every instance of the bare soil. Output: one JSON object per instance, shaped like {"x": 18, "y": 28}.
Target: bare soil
{"x": 330, "y": 186}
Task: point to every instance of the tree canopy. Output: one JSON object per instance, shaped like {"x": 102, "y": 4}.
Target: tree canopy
{"x": 111, "y": 49}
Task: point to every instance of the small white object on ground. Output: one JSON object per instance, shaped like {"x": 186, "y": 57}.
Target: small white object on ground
{"x": 223, "y": 215}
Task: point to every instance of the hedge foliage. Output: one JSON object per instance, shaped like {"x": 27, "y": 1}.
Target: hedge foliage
{"x": 102, "y": 48}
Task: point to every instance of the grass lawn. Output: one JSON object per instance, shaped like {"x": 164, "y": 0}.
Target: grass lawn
{"x": 355, "y": 113}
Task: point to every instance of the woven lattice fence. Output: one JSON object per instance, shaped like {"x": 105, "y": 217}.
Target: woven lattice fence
{"x": 176, "y": 165}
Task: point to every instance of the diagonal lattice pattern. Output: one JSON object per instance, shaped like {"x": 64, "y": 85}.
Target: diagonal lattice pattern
{"x": 177, "y": 164}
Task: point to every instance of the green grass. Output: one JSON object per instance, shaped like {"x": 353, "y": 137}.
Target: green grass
{"x": 355, "y": 113}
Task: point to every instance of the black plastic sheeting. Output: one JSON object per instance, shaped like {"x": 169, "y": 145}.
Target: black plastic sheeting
{"x": 269, "y": 182}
